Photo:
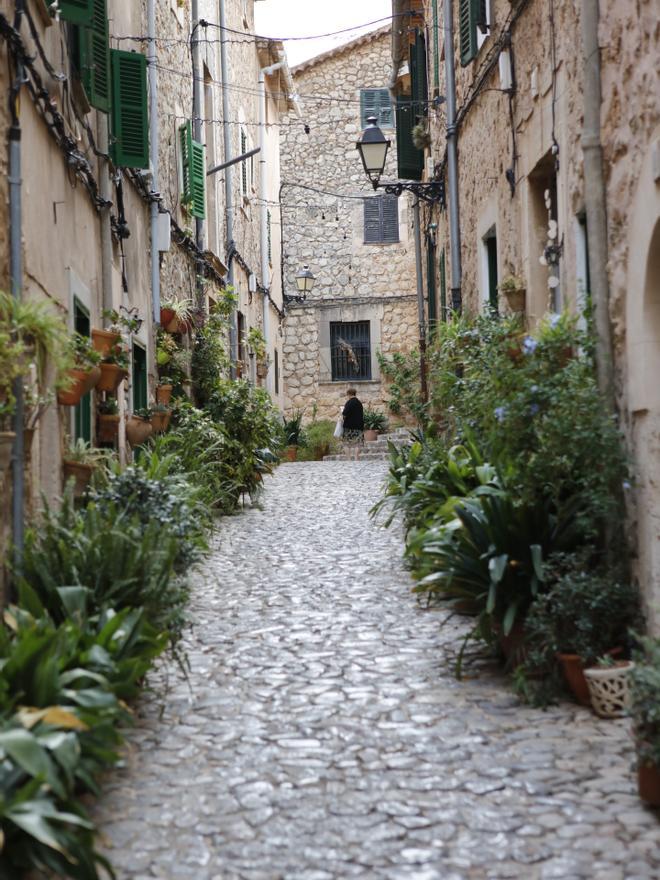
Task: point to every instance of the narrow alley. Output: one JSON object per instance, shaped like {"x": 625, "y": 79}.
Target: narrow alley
{"x": 321, "y": 735}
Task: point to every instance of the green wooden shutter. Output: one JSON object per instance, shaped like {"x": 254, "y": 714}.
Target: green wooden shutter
{"x": 193, "y": 164}
{"x": 385, "y": 114}
{"x": 410, "y": 159}
{"x": 468, "y": 12}
{"x": 130, "y": 119}
{"x": 376, "y": 102}
{"x": 94, "y": 58}
{"x": 443, "y": 287}
{"x": 418, "y": 74}
{"x": 430, "y": 285}
{"x": 77, "y": 11}
{"x": 389, "y": 209}
{"x": 372, "y": 220}
{"x": 436, "y": 47}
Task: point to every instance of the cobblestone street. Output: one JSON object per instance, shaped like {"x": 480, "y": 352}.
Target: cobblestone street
{"x": 322, "y": 736}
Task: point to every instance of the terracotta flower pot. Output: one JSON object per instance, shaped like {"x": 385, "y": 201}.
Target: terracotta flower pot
{"x": 160, "y": 421}
{"x": 108, "y": 427}
{"x": 6, "y": 445}
{"x": 166, "y": 317}
{"x": 370, "y": 435}
{"x": 138, "y": 430}
{"x": 164, "y": 394}
{"x": 573, "y": 671}
{"x": 80, "y": 473}
{"x": 291, "y": 453}
{"x": 76, "y": 390}
{"x": 515, "y": 299}
{"x": 92, "y": 379}
{"x": 176, "y": 325}
{"x": 648, "y": 783}
{"x": 28, "y": 437}
{"x": 513, "y": 645}
{"x": 112, "y": 375}
{"x": 262, "y": 369}
{"x": 103, "y": 340}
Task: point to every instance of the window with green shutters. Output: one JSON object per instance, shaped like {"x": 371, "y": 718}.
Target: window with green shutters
{"x": 469, "y": 13}
{"x": 443, "y": 287}
{"x": 376, "y": 102}
{"x": 92, "y": 57}
{"x": 436, "y": 47}
{"x": 129, "y": 119}
{"x": 410, "y": 159}
{"x": 193, "y": 167}
{"x": 418, "y": 75}
{"x": 381, "y": 220}
{"x": 77, "y": 11}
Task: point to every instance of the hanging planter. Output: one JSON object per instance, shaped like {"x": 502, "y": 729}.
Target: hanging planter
{"x": 104, "y": 340}
{"x": 6, "y": 445}
{"x": 78, "y": 386}
{"x": 164, "y": 394}
{"x": 138, "y": 430}
{"x": 513, "y": 290}
{"x": 166, "y": 316}
{"x": 160, "y": 419}
{"x": 112, "y": 375}
{"x": 80, "y": 473}
{"x": 609, "y": 687}
{"x": 108, "y": 427}
{"x": 262, "y": 369}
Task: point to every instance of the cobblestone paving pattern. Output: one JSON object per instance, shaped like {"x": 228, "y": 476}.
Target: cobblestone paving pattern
{"x": 323, "y": 736}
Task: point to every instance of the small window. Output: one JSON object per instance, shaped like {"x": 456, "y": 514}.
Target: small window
{"x": 381, "y": 220}
{"x": 350, "y": 350}
{"x": 139, "y": 383}
{"x": 376, "y": 102}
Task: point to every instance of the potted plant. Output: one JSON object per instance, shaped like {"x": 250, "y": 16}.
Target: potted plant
{"x": 104, "y": 340}
{"x": 123, "y": 321}
{"x": 35, "y": 405}
{"x": 609, "y": 685}
{"x": 108, "y": 420}
{"x": 172, "y": 359}
{"x": 374, "y": 423}
{"x": 84, "y": 375}
{"x": 293, "y": 434}
{"x": 180, "y": 314}
{"x": 645, "y": 712}
{"x": 164, "y": 390}
{"x": 160, "y": 418}
{"x": 80, "y": 461}
{"x": 40, "y": 332}
{"x": 256, "y": 343}
{"x": 513, "y": 289}
{"x": 139, "y": 427}
{"x": 114, "y": 368}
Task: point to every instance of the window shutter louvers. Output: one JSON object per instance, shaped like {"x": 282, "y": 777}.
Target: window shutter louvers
{"x": 94, "y": 58}
{"x": 77, "y": 11}
{"x": 381, "y": 220}
{"x": 130, "y": 120}
{"x": 390, "y": 217}
{"x": 372, "y": 220}
{"x": 410, "y": 159}
{"x": 193, "y": 165}
{"x": 468, "y": 13}
{"x": 376, "y": 102}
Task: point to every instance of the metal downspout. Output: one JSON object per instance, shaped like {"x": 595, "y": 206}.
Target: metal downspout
{"x": 154, "y": 137}
{"x": 229, "y": 195}
{"x": 16, "y": 275}
{"x": 105, "y": 191}
{"x": 263, "y": 207}
{"x": 452, "y": 161}
{"x": 420, "y": 300}
{"x": 197, "y": 135}
{"x": 595, "y": 201}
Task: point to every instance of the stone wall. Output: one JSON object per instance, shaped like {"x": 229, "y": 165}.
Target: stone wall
{"x": 354, "y": 281}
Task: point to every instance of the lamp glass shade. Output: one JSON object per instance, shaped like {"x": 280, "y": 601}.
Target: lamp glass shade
{"x": 305, "y": 280}
{"x": 374, "y": 156}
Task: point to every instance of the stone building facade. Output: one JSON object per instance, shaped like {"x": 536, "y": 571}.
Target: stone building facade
{"x": 520, "y": 94}
{"x": 85, "y": 229}
{"x": 358, "y": 246}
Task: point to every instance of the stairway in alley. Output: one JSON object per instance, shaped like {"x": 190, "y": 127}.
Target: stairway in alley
{"x": 377, "y": 450}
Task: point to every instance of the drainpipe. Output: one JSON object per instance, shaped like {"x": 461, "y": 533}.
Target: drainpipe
{"x": 595, "y": 201}
{"x": 229, "y": 195}
{"x": 105, "y": 191}
{"x": 16, "y": 274}
{"x": 263, "y": 207}
{"x": 154, "y": 136}
{"x": 197, "y": 135}
{"x": 420, "y": 301}
{"x": 452, "y": 161}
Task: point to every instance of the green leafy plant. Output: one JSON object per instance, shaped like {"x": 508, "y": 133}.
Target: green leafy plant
{"x": 37, "y": 328}
{"x": 319, "y": 441}
{"x": 82, "y": 452}
{"x": 374, "y": 420}
{"x": 108, "y": 407}
{"x": 123, "y": 321}
{"x": 645, "y": 709}
{"x": 294, "y": 434}
{"x": 82, "y": 352}
{"x": 145, "y": 413}
{"x": 256, "y": 343}
{"x": 401, "y": 370}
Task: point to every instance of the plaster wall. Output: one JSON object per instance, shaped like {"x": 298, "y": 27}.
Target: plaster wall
{"x": 354, "y": 281}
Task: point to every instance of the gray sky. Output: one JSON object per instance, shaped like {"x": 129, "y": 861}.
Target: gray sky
{"x": 301, "y": 18}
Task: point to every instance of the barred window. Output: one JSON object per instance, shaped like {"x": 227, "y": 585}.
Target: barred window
{"x": 350, "y": 350}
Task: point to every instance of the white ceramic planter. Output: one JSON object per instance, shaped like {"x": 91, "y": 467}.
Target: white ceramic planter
{"x": 609, "y": 688}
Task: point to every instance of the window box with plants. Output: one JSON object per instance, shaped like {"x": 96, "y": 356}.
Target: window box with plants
{"x": 114, "y": 369}
{"x": 645, "y": 712}
{"x": 85, "y": 374}
{"x": 108, "y": 420}
{"x": 375, "y": 423}
{"x": 79, "y": 463}
{"x": 139, "y": 427}
{"x": 513, "y": 290}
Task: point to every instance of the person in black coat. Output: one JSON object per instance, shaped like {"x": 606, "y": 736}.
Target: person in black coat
{"x": 353, "y": 414}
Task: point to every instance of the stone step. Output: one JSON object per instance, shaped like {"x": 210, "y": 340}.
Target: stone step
{"x": 364, "y": 456}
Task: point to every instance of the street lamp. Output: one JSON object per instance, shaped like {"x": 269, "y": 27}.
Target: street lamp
{"x": 373, "y": 147}
{"x": 305, "y": 281}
